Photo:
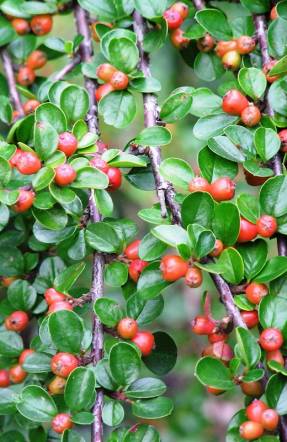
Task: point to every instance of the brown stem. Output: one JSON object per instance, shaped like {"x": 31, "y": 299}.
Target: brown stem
{"x": 8, "y": 68}
{"x": 68, "y": 68}
{"x": 97, "y": 288}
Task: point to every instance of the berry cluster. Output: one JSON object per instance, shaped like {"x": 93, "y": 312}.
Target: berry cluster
{"x": 39, "y": 25}
{"x": 127, "y": 328}
{"x": 235, "y": 103}
{"x": 260, "y": 419}
{"x": 114, "y": 80}
{"x": 230, "y": 51}
{"x": 113, "y": 173}
{"x": 175, "y": 17}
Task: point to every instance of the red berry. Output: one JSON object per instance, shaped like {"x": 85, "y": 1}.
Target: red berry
{"x": 254, "y": 292}
{"x": 127, "y": 328}
{"x": 62, "y": 364}
{"x": 30, "y": 106}
{"x": 24, "y": 355}
{"x": 51, "y": 295}
{"x": 251, "y": 430}
{"x": 173, "y": 18}
{"x": 217, "y": 337}
{"x": 283, "y": 138}
{"x": 273, "y": 13}
{"x": 65, "y": 175}
{"x": 100, "y": 164}
{"x": 266, "y": 226}
{"x": 247, "y": 231}
{"x": 115, "y": 178}
{"x": 231, "y": 60}
{"x": 25, "y": 201}
{"x": 28, "y": 163}
{"x": 199, "y": 184}
{"x": 269, "y": 419}
{"x": 271, "y": 339}
{"x": 119, "y": 81}
{"x": 21, "y": 26}
{"x": 57, "y": 385}
{"x": 103, "y": 90}
{"x": 14, "y": 160}
{"x": 250, "y": 318}
{"x": 144, "y": 340}
{"x": 193, "y": 277}
{"x": 206, "y": 43}
{"x": 105, "y": 72}
{"x": 275, "y": 355}
{"x": 59, "y": 305}
{"x": 36, "y": 60}
{"x": 253, "y": 389}
{"x": 61, "y": 422}
{"x": 234, "y": 102}
{"x": 26, "y": 76}
{"x": 17, "y": 374}
{"x": 4, "y": 378}
{"x": 173, "y": 267}
{"x": 218, "y": 248}
{"x": 17, "y": 321}
{"x": 41, "y": 24}
{"x": 219, "y": 350}
{"x": 135, "y": 269}
{"x": 178, "y": 40}
{"x": 214, "y": 391}
{"x": 223, "y": 47}
{"x": 251, "y": 115}
{"x": 245, "y": 44}
{"x": 202, "y": 325}
{"x": 132, "y": 250}
{"x": 222, "y": 189}
{"x": 255, "y": 409}
{"x": 267, "y": 68}
{"x": 67, "y": 143}
{"x": 182, "y": 8}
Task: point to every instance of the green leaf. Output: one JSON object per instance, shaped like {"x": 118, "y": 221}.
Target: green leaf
{"x": 7, "y": 32}
{"x": 66, "y": 279}
{"x": 277, "y": 37}
{"x": 150, "y": 283}
{"x": 214, "y": 22}
{"x": 144, "y": 311}
{"x": 213, "y": 166}
{"x": 127, "y": 160}
{"x": 198, "y": 208}
{"x": 163, "y": 357}
{"x": 226, "y": 223}
{"x": 103, "y": 237}
{"x": 222, "y": 146}
{"x": 7, "y": 402}
{"x": 177, "y": 105}
{"x": 256, "y": 6}
{"x": 5, "y": 171}
{"x": 52, "y": 114}
{"x": 213, "y": 373}
{"x": 11, "y": 344}
{"x": 276, "y": 390}
{"x": 277, "y": 96}
{"x": 107, "y": 10}
{"x": 156, "y": 408}
{"x": 74, "y": 101}
{"x": 143, "y": 432}
{"x": 267, "y": 143}
{"x": 177, "y": 171}
{"x": 66, "y": 330}
{"x": 45, "y": 139}
{"x": 21, "y": 295}
{"x": 36, "y": 404}
{"x": 116, "y": 274}
{"x": 243, "y": 138}
{"x": 232, "y": 265}
{"x": 274, "y": 268}
{"x": 254, "y": 255}
{"x": 123, "y": 54}
{"x": 205, "y": 102}
{"x": 83, "y": 418}
{"x": 151, "y": 248}
{"x": 79, "y": 389}
{"x": 118, "y": 109}
{"x": 272, "y": 196}
{"x": 4, "y": 216}
{"x": 145, "y": 388}
{"x": 109, "y": 311}
{"x": 53, "y": 219}
{"x": 212, "y": 125}
{"x": 202, "y": 241}
{"x": 37, "y": 363}
{"x": 154, "y": 136}
{"x": 248, "y": 206}
{"x": 124, "y": 363}
{"x": 43, "y": 178}
{"x": 208, "y": 67}
{"x": 146, "y": 85}
{"x": 113, "y": 413}
{"x": 6, "y": 110}
{"x": 103, "y": 375}
{"x": 90, "y": 177}
{"x": 104, "y": 202}
{"x": 63, "y": 195}
{"x": 253, "y": 82}
{"x": 150, "y": 9}
{"x": 247, "y": 348}
{"x": 173, "y": 235}
{"x": 280, "y": 67}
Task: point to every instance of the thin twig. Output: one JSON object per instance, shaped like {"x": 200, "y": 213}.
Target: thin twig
{"x": 97, "y": 289}
{"x": 8, "y": 68}
{"x": 67, "y": 68}
{"x": 199, "y": 4}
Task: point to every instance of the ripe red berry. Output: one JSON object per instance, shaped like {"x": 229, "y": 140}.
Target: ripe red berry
{"x": 250, "y": 318}
{"x": 127, "y": 328}
{"x": 144, "y": 340}
{"x": 253, "y": 389}
{"x": 193, "y": 277}
{"x": 283, "y": 138}
{"x": 173, "y": 18}
{"x": 255, "y": 409}
{"x": 57, "y": 385}
{"x": 17, "y": 321}
{"x": 217, "y": 337}
{"x": 26, "y": 76}
{"x": 202, "y": 325}
{"x": 267, "y": 68}
{"x": 247, "y": 231}
{"x": 254, "y": 292}
{"x": 36, "y": 60}
{"x": 4, "y": 378}
{"x": 273, "y": 13}
{"x": 25, "y": 201}
{"x": 100, "y": 164}
{"x": 218, "y": 248}
{"x": 199, "y": 184}
{"x": 182, "y": 8}
{"x": 271, "y": 339}
{"x": 222, "y": 189}
{"x": 65, "y": 175}
{"x": 245, "y": 44}
{"x": 21, "y": 26}
{"x": 219, "y": 350}
{"x": 119, "y": 81}
{"x": 24, "y": 355}
{"x": 105, "y": 72}
{"x": 132, "y": 250}
{"x": 103, "y": 90}
{"x": 61, "y": 422}
{"x": 135, "y": 269}
{"x": 251, "y": 430}
{"x": 41, "y": 24}
{"x": 206, "y": 43}
{"x": 178, "y": 40}
{"x": 28, "y": 163}
{"x": 234, "y": 102}
{"x": 173, "y": 267}
{"x": 231, "y": 60}
{"x": 223, "y": 47}
{"x": 115, "y": 178}
{"x": 266, "y": 226}
{"x": 269, "y": 419}
{"x": 59, "y": 305}
{"x": 214, "y": 391}
{"x": 251, "y": 115}
{"x": 30, "y": 106}
{"x": 51, "y": 295}
{"x": 17, "y": 374}
{"x": 67, "y": 143}
{"x": 275, "y": 355}
{"x": 62, "y": 364}
{"x": 14, "y": 160}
